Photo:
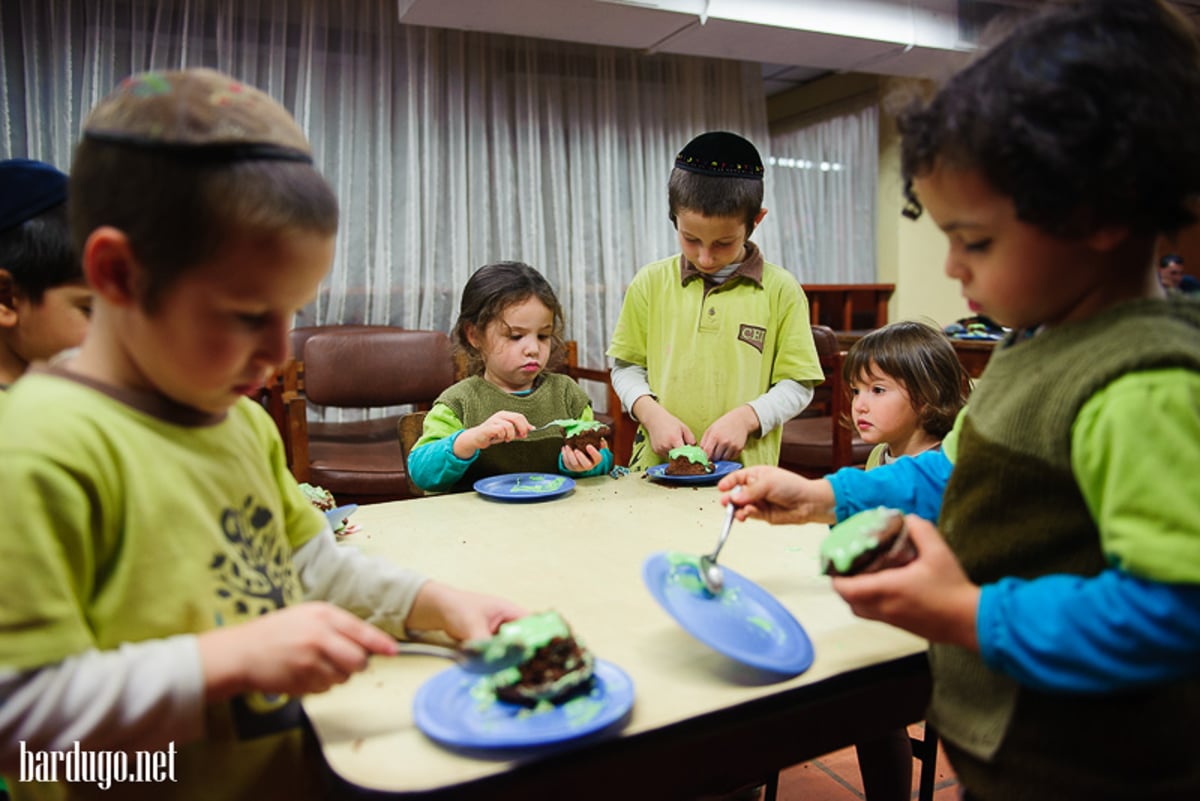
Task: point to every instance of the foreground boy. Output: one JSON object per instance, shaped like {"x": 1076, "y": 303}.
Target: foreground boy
{"x": 160, "y": 588}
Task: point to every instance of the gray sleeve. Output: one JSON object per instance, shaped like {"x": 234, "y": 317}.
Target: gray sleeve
{"x": 781, "y": 403}
{"x": 630, "y": 382}
{"x": 139, "y": 696}
{"x": 377, "y": 591}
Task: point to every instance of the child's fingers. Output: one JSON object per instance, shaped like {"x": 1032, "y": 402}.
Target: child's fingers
{"x": 924, "y": 535}
{"x": 367, "y": 637}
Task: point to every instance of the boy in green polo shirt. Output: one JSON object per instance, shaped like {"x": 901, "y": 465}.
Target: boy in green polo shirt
{"x": 714, "y": 345}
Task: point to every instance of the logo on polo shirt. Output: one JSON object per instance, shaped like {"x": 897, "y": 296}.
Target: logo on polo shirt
{"x": 753, "y": 335}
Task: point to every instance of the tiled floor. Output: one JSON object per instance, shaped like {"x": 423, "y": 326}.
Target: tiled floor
{"x": 835, "y": 777}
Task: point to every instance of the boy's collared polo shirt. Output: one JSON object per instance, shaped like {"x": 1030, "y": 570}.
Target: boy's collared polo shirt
{"x": 710, "y": 348}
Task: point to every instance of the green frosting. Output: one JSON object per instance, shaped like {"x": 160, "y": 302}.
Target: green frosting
{"x": 530, "y": 633}
{"x": 693, "y": 453}
{"x": 687, "y": 579}
{"x": 572, "y": 427}
{"x": 853, "y": 537}
{"x": 537, "y": 483}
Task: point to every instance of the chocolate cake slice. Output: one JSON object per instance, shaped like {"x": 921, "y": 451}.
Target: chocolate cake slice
{"x": 556, "y": 665}
{"x": 867, "y": 542}
{"x": 688, "y": 460}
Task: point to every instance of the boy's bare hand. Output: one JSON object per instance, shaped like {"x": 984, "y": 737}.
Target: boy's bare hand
{"x": 579, "y": 461}
{"x": 930, "y": 596}
{"x": 503, "y": 426}
{"x": 306, "y": 648}
{"x": 462, "y": 614}
{"x": 726, "y": 437}
{"x": 778, "y": 496}
{"x": 665, "y": 429}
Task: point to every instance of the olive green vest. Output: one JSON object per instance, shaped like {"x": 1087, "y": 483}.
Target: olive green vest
{"x": 556, "y": 397}
{"x": 1012, "y": 508}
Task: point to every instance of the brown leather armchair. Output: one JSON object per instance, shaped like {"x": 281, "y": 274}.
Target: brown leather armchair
{"x": 361, "y": 367}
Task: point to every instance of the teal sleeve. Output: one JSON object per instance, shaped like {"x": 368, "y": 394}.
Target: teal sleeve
{"x": 1105, "y": 633}
{"x": 1135, "y": 452}
{"x": 606, "y": 464}
{"x": 432, "y": 465}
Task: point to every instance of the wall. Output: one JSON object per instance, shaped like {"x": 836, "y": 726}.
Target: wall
{"x": 909, "y": 253}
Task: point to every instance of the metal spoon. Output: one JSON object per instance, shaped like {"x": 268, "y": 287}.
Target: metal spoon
{"x": 710, "y": 571}
{"x": 473, "y": 657}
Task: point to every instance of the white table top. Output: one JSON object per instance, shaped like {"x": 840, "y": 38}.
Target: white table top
{"x": 582, "y": 555}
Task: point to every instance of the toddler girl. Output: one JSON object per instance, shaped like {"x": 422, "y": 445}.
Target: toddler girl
{"x": 510, "y": 326}
{"x": 907, "y": 386}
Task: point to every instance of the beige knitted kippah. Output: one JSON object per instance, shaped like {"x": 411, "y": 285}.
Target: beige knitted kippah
{"x": 198, "y": 114}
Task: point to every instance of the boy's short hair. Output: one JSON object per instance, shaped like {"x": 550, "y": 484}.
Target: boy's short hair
{"x": 184, "y": 162}
{"x": 924, "y": 361}
{"x": 35, "y": 242}
{"x": 717, "y": 174}
{"x": 1083, "y": 115}
{"x": 1169, "y": 259}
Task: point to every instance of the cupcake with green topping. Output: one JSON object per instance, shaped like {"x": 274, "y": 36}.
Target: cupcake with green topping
{"x": 689, "y": 460}
{"x": 870, "y": 541}
{"x": 578, "y": 434}
{"x": 555, "y": 667}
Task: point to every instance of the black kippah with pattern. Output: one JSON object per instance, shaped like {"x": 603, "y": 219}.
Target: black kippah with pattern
{"x": 722, "y": 154}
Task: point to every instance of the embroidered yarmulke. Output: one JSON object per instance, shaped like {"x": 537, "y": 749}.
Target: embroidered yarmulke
{"x": 27, "y": 188}
{"x": 197, "y": 114}
{"x": 723, "y": 154}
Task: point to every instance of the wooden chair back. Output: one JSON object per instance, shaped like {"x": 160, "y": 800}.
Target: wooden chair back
{"x": 820, "y": 440}
{"x": 409, "y": 430}
{"x": 622, "y": 425}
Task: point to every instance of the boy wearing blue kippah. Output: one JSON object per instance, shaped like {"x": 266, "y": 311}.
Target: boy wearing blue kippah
{"x": 169, "y": 588}
{"x": 714, "y": 345}
{"x": 44, "y": 301}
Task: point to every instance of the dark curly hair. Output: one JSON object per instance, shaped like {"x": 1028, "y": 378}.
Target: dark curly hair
{"x": 1084, "y": 115}
{"x": 492, "y": 289}
{"x": 922, "y": 359}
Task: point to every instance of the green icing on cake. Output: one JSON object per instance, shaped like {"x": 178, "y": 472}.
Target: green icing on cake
{"x": 685, "y": 579}
{"x": 853, "y": 537}
{"x": 693, "y": 453}
{"x": 537, "y": 483}
{"x": 529, "y": 634}
{"x": 572, "y": 427}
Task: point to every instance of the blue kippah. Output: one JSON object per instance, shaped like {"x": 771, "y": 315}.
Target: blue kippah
{"x": 27, "y": 188}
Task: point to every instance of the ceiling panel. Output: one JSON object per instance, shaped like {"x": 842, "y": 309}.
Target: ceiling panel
{"x": 652, "y": 30}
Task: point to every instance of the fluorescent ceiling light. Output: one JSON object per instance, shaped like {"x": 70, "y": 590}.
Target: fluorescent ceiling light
{"x": 928, "y": 23}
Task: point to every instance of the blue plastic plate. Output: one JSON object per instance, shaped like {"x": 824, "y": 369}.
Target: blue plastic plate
{"x": 447, "y": 710}
{"x": 744, "y": 621}
{"x": 720, "y": 468}
{"x": 524, "y": 486}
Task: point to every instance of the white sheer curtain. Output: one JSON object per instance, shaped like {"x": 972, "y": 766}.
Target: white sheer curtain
{"x": 826, "y": 176}
{"x": 447, "y": 149}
